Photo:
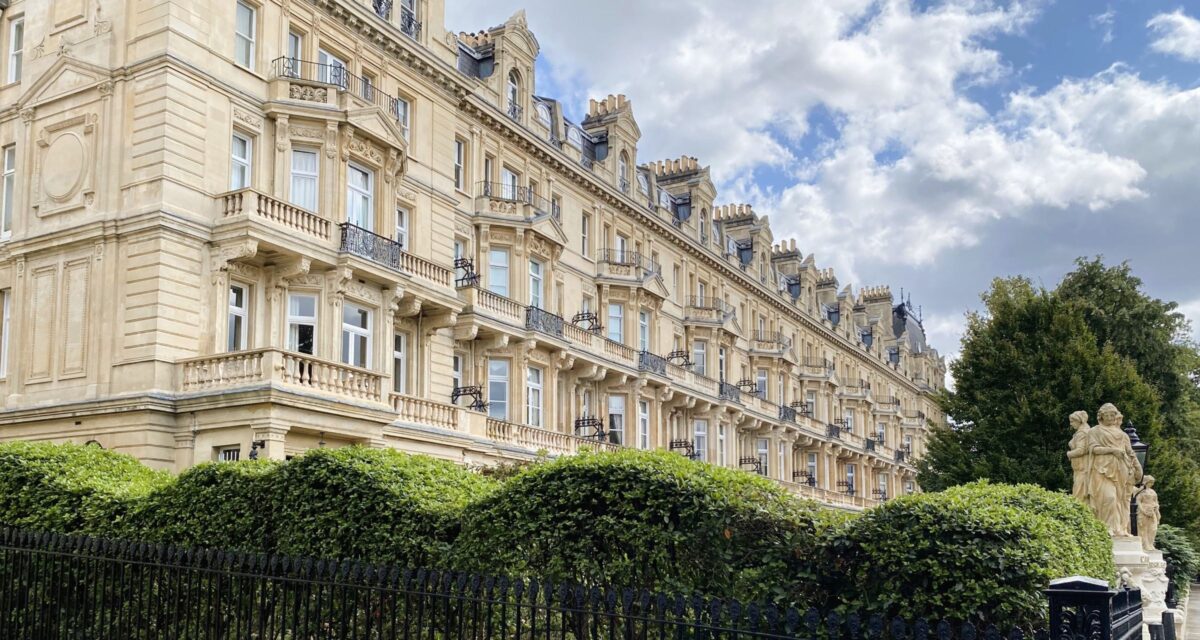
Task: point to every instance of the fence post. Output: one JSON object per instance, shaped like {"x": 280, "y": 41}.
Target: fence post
{"x": 1168, "y": 625}
{"x": 1080, "y": 607}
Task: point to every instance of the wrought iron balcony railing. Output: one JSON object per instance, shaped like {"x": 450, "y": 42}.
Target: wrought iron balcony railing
{"x": 514, "y": 111}
{"x": 688, "y": 447}
{"x": 704, "y": 302}
{"x": 516, "y": 193}
{"x": 543, "y": 321}
{"x": 753, "y": 463}
{"x": 630, "y": 258}
{"x": 728, "y": 391}
{"x": 652, "y": 362}
{"x": 833, "y": 431}
{"x": 590, "y": 427}
{"x": 804, "y": 477}
{"x": 336, "y": 75}
{"x": 787, "y": 413}
{"x": 408, "y": 23}
{"x": 372, "y": 246}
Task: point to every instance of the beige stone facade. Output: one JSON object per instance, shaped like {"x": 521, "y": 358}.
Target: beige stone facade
{"x": 272, "y": 225}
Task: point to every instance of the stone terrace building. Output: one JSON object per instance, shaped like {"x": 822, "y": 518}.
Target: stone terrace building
{"x": 254, "y": 227}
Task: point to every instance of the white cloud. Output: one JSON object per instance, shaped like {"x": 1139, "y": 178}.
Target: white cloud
{"x": 1178, "y": 35}
{"x": 1104, "y": 21}
{"x": 1191, "y": 310}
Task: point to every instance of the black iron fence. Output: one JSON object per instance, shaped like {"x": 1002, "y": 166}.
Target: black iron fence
{"x": 55, "y": 586}
{"x": 372, "y": 246}
{"x": 335, "y": 74}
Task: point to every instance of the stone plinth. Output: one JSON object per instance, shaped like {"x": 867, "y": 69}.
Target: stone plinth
{"x": 1147, "y": 570}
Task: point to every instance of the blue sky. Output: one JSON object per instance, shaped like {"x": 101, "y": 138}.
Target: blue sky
{"x": 926, "y": 144}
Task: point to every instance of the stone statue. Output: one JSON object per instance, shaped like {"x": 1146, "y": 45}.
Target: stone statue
{"x": 1079, "y": 455}
{"x": 1148, "y": 514}
{"x": 1105, "y": 468}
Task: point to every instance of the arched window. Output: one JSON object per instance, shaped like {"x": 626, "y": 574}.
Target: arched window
{"x": 623, "y": 171}
{"x": 513, "y": 93}
{"x": 543, "y": 113}
{"x": 574, "y": 137}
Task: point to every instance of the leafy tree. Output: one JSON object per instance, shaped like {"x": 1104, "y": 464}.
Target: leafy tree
{"x": 1032, "y": 357}
{"x": 1026, "y": 364}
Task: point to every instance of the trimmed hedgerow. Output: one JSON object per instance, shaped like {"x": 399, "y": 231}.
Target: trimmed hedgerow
{"x": 644, "y": 519}
{"x": 979, "y": 552}
{"x": 1183, "y": 563}
{"x": 70, "y": 488}
{"x": 374, "y": 504}
{"x": 222, "y": 505}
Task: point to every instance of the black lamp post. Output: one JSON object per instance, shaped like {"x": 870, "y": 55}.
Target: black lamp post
{"x": 1140, "y": 449}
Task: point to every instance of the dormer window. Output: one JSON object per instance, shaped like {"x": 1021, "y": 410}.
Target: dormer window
{"x": 623, "y": 172}
{"x": 664, "y": 199}
{"x": 574, "y": 137}
{"x": 543, "y": 114}
{"x": 513, "y": 93}
{"x": 644, "y": 184}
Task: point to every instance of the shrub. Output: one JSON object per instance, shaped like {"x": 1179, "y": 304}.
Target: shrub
{"x": 642, "y": 519}
{"x": 372, "y": 504}
{"x": 980, "y": 552}
{"x": 225, "y": 505}
{"x": 1183, "y": 562}
{"x": 70, "y": 488}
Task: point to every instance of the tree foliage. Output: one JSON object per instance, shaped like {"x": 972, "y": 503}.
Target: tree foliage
{"x": 1026, "y": 364}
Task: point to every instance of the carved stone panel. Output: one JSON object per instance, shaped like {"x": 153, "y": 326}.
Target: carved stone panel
{"x": 64, "y": 166}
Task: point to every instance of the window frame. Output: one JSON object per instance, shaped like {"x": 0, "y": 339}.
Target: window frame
{"x": 700, "y": 357}
{"x": 616, "y": 322}
{"x": 8, "y": 189}
{"x": 403, "y": 215}
{"x": 537, "y": 283}
{"x": 15, "y": 59}
{"x": 494, "y": 269}
{"x": 328, "y": 64}
{"x": 295, "y": 321}
{"x": 643, "y": 330}
{"x": 400, "y": 354}
{"x": 722, "y": 454}
{"x": 460, "y": 168}
{"x": 403, "y": 115}
{"x": 505, "y": 381}
{"x": 700, "y": 438}
{"x": 223, "y": 453}
{"x": 251, "y": 38}
{"x": 616, "y": 434}
{"x": 363, "y": 196}
{"x": 349, "y": 346}
{"x": 304, "y": 176}
{"x": 535, "y": 396}
{"x": 5, "y": 323}
{"x": 242, "y": 313}
{"x": 643, "y": 436}
{"x": 585, "y": 235}
{"x": 245, "y": 163}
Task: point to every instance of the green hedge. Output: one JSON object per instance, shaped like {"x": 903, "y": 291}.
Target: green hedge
{"x": 978, "y": 552}
{"x": 375, "y": 504}
{"x": 222, "y": 505}
{"x": 1183, "y": 563}
{"x": 70, "y": 488}
{"x": 653, "y": 520}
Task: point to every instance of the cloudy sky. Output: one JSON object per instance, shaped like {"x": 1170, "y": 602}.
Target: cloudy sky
{"x": 925, "y": 145}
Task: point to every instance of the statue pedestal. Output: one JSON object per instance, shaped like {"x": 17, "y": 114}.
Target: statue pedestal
{"x": 1148, "y": 572}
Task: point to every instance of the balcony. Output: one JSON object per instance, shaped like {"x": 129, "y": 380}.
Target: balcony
{"x": 289, "y": 218}
{"x": 726, "y": 391}
{"x": 616, "y": 263}
{"x": 372, "y": 246}
{"x": 537, "y": 439}
{"x": 407, "y": 24}
{"x": 652, "y": 363}
{"x": 707, "y": 310}
{"x": 859, "y": 390}
{"x": 787, "y": 414}
{"x": 543, "y": 321}
{"x": 833, "y": 431}
{"x": 309, "y": 81}
{"x": 228, "y": 371}
{"x": 514, "y": 111}
{"x": 426, "y": 412}
{"x": 515, "y": 200}
{"x": 886, "y": 404}
{"x": 772, "y": 343}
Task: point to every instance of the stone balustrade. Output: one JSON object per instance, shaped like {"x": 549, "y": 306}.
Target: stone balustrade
{"x": 273, "y": 366}
{"x": 428, "y": 412}
{"x": 258, "y": 205}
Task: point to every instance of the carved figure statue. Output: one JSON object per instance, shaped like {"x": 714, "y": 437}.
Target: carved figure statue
{"x": 1113, "y": 471}
{"x": 1148, "y": 513}
{"x": 1079, "y": 455}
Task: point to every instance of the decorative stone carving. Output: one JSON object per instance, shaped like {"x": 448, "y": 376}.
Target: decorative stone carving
{"x": 1148, "y": 513}
{"x": 331, "y": 136}
{"x": 248, "y": 119}
{"x": 1109, "y": 471}
{"x": 307, "y": 133}
{"x": 308, "y": 92}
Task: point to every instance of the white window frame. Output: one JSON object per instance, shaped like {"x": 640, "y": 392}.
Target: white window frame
{"x": 536, "y": 284}
{"x": 6, "y": 310}
{"x": 616, "y": 409}
{"x": 241, "y": 167}
{"x": 585, "y": 235}
{"x": 812, "y": 467}
{"x": 644, "y": 330}
{"x": 782, "y": 461}
{"x": 510, "y": 183}
{"x": 328, "y": 63}
{"x": 402, "y": 110}
{"x": 498, "y": 277}
{"x": 248, "y": 38}
{"x": 643, "y": 441}
{"x": 616, "y": 322}
{"x": 721, "y": 363}
{"x": 456, "y": 370}
{"x": 851, "y": 481}
{"x": 400, "y": 346}
{"x": 295, "y": 49}
{"x": 763, "y": 449}
{"x": 700, "y": 357}
{"x": 8, "y": 191}
{"x": 700, "y": 439}
{"x": 297, "y": 320}
{"x": 460, "y": 156}
{"x": 760, "y": 383}
{"x": 358, "y": 197}
{"x": 229, "y": 454}
{"x": 498, "y": 402}
{"x": 350, "y": 332}
{"x": 238, "y": 339}
{"x": 810, "y": 400}
{"x": 722, "y": 455}
{"x": 534, "y": 396}
{"x": 305, "y": 177}
{"x": 402, "y": 216}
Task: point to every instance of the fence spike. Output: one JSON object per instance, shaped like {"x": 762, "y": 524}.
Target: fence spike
{"x": 943, "y": 630}
{"x": 812, "y": 623}
{"x": 898, "y": 628}
{"x": 791, "y": 622}
{"x": 875, "y": 627}
{"x": 1016, "y": 634}
{"x": 833, "y": 625}
{"x": 853, "y": 626}
{"x": 921, "y": 629}
{"x": 772, "y": 619}
{"x": 714, "y": 610}
{"x": 968, "y": 632}
{"x": 752, "y": 614}
{"x": 991, "y": 633}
